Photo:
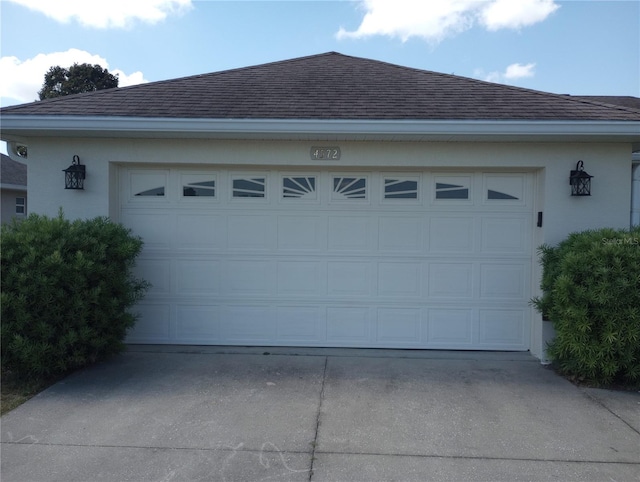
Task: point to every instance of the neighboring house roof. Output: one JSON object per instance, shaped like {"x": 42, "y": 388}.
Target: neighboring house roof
{"x": 622, "y": 100}
{"x": 327, "y": 86}
{"x": 13, "y": 174}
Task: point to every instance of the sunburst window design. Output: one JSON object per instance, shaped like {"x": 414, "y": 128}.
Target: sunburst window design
{"x": 349, "y": 188}
{"x": 299, "y": 187}
{"x": 400, "y": 189}
{"x": 204, "y": 188}
{"x": 249, "y": 187}
{"x": 156, "y": 191}
{"x": 451, "y": 191}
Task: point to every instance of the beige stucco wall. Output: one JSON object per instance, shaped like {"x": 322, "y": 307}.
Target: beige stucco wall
{"x": 609, "y": 163}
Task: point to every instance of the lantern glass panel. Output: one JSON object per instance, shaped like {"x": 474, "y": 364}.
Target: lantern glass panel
{"x": 74, "y": 177}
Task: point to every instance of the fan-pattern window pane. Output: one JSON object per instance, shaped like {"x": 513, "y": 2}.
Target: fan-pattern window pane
{"x": 204, "y": 188}
{"x": 451, "y": 191}
{"x": 349, "y": 188}
{"x": 148, "y": 184}
{"x": 491, "y": 194}
{"x": 249, "y": 187}
{"x": 299, "y": 187}
{"x": 156, "y": 191}
{"x": 400, "y": 189}
{"x": 504, "y": 187}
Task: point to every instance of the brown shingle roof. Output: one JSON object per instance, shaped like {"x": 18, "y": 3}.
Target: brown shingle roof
{"x": 327, "y": 86}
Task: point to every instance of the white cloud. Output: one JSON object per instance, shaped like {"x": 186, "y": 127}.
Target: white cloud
{"x": 432, "y": 20}
{"x": 107, "y": 14}
{"x": 21, "y": 80}
{"x": 125, "y": 80}
{"x": 516, "y": 14}
{"x": 435, "y": 20}
{"x": 511, "y": 73}
{"x": 519, "y": 71}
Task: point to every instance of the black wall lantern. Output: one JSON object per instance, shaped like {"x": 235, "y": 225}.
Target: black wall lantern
{"x": 74, "y": 175}
{"x": 580, "y": 181}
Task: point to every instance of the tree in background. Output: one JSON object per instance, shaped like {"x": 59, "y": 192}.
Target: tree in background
{"x": 77, "y": 79}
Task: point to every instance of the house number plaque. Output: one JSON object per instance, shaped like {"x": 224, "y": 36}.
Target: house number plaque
{"x": 325, "y": 153}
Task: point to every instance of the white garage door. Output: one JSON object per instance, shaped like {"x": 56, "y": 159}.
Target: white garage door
{"x": 360, "y": 259}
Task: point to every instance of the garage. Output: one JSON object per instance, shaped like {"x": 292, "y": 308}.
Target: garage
{"x": 332, "y": 258}
{"x": 335, "y": 201}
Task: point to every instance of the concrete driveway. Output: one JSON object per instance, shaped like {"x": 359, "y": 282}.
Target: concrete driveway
{"x": 207, "y": 413}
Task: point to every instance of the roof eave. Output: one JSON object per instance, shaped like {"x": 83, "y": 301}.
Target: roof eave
{"x": 13, "y": 187}
{"x": 20, "y": 127}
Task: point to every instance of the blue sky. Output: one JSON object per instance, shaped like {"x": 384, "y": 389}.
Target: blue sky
{"x": 583, "y": 47}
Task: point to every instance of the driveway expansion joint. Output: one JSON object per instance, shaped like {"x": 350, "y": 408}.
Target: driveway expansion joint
{"x": 603, "y": 405}
{"x": 318, "y": 413}
{"x": 275, "y": 450}
{"x": 478, "y": 457}
{"x": 221, "y": 448}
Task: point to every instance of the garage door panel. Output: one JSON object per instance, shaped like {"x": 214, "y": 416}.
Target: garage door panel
{"x": 201, "y": 231}
{"x": 350, "y": 233}
{"x": 248, "y": 324}
{"x": 250, "y": 233}
{"x": 155, "y": 228}
{"x": 399, "y": 234}
{"x": 349, "y": 278}
{"x": 506, "y": 235}
{"x": 451, "y": 280}
{"x": 504, "y": 281}
{"x": 400, "y": 279}
{"x": 300, "y": 278}
{"x": 503, "y": 328}
{"x": 300, "y": 324}
{"x": 450, "y": 327}
{"x": 198, "y": 324}
{"x": 196, "y": 276}
{"x": 398, "y": 326}
{"x": 348, "y": 325}
{"x": 249, "y": 277}
{"x": 301, "y": 233}
{"x": 451, "y": 234}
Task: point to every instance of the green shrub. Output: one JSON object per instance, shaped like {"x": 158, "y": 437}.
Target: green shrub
{"x": 66, "y": 287}
{"x": 591, "y": 293}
